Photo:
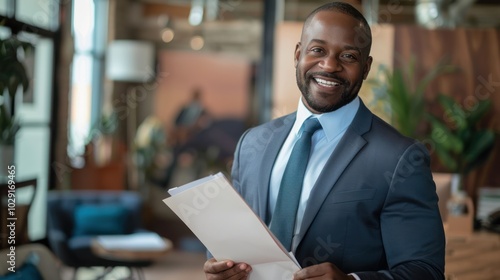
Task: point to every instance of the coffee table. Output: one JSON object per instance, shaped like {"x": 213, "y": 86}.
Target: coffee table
{"x": 130, "y": 248}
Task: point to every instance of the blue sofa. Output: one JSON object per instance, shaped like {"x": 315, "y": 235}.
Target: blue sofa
{"x": 75, "y": 218}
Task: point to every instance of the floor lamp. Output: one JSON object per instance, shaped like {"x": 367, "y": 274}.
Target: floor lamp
{"x": 130, "y": 61}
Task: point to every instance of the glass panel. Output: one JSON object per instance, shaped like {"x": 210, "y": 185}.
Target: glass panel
{"x": 33, "y": 141}
{"x": 4, "y": 10}
{"x": 36, "y": 103}
{"x": 40, "y": 13}
{"x": 101, "y": 27}
{"x": 83, "y": 25}
{"x": 4, "y": 32}
{"x": 31, "y": 160}
{"x": 80, "y": 107}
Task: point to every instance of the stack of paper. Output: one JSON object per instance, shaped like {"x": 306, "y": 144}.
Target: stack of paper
{"x": 143, "y": 241}
{"x": 228, "y": 227}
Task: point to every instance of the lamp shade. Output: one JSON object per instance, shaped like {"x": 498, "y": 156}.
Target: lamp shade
{"x": 130, "y": 61}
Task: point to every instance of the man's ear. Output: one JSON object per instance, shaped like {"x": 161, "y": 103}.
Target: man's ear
{"x": 297, "y": 54}
{"x": 367, "y": 68}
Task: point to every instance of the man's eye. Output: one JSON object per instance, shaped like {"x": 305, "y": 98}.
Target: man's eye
{"x": 349, "y": 56}
{"x": 316, "y": 50}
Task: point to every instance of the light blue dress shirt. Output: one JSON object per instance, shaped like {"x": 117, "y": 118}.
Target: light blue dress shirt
{"x": 324, "y": 141}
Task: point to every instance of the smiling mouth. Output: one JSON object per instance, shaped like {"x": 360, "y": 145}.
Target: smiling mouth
{"x": 326, "y": 83}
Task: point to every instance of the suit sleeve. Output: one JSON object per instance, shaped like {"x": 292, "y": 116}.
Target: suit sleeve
{"x": 412, "y": 230}
{"x": 236, "y": 163}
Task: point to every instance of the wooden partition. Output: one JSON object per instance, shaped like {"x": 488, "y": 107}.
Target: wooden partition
{"x": 476, "y": 54}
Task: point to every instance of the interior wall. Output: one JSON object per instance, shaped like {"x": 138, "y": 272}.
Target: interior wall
{"x": 224, "y": 83}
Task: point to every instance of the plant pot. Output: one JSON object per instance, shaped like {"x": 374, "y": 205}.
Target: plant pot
{"x": 460, "y": 220}
{"x": 6, "y": 158}
{"x": 456, "y": 183}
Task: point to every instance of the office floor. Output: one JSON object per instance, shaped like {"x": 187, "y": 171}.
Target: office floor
{"x": 473, "y": 257}
{"x": 174, "y": 266}
{"x": 469, "y": 258}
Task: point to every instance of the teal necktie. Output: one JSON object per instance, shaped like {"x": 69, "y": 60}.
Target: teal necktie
{"x": 283, "y": 219}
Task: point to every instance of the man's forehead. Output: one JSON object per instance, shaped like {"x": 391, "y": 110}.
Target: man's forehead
{"x": 333, "y": 17}
{"x": 326, "y": 25}
{"x": 337, "y": 22}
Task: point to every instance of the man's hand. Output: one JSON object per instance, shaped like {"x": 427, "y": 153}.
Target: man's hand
{"x": 226, "y": 270}
{"x": 323, "y": 271}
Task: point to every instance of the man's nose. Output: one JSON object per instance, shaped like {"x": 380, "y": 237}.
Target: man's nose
{"x": 330, "y": 63}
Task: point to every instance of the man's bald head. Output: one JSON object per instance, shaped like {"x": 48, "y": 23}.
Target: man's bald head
{"x": 364, "y": 39}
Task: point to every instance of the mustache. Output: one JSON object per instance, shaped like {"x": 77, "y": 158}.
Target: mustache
{"x": 327, "y": 75}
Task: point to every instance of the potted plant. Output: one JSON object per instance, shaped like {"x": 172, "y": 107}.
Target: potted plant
{"x": 13, "y": 75}
{"x": 459, "y": 142}
{"x": 402, "y": 96}
{"x": 102, "y": 139}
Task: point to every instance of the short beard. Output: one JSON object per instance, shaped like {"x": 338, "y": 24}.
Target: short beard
{"x": 345, "y": 98}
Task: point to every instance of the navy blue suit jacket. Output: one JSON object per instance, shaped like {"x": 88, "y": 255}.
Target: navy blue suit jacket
{"x": 373, "y": 210}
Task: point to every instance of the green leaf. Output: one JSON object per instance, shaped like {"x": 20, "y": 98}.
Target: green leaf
{"x": 443, "y": 136}
{"x": 13, "y": 74}
{"x": 446, "y": 158}
{"x": 460, "y": 124}
{"x": 481, "y": 143}
{"x": 478, "y": 112}
{"x": 452, "y": 113}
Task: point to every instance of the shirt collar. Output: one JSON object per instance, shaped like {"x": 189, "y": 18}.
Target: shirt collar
{"x": 333, "y": 123}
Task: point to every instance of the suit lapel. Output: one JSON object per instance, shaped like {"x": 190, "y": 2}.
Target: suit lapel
{"x": 350, "y": 144}
{"x": 281, "y": 128}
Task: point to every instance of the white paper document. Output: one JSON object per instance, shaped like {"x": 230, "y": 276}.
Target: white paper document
{"x": 228, "y": 227}
{"x": 141, "y": 241}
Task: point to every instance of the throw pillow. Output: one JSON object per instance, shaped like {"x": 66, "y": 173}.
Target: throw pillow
{"x": 100, "y": 219}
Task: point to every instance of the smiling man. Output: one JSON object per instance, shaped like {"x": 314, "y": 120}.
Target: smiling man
{"x": 341, "y": 189}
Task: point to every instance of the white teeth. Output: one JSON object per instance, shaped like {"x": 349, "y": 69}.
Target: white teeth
{"x": 325, "y": 82}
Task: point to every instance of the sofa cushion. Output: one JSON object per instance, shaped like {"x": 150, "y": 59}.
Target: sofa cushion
{"x": 96, "y": 219}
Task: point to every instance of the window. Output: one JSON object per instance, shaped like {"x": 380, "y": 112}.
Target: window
{"x": 89, "y": 23}
{"x": 34, "y": 21}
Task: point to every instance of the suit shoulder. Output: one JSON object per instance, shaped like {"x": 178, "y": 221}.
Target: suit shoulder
{"x": 389, "y": 135}
{"x": 272, "y": 126}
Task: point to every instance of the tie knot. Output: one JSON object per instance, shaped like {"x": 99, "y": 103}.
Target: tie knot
{"x": 311, "y": 125}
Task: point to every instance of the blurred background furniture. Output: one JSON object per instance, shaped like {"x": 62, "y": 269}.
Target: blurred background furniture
{"x": 143, "y": 246}
{"x": 443, "y": 190}
{"x": 24, "y": 190}
{"x": 457, "y": 221}
{"x": 75, "y": 218}
{"x": 38, "y": 256}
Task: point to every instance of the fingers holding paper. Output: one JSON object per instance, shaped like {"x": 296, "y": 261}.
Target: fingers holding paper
{"x": 226, "y": 270}
{"x": 323, "y": 271}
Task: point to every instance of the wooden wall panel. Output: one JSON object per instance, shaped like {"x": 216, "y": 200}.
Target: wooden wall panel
{"x": 476, "y": 53}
